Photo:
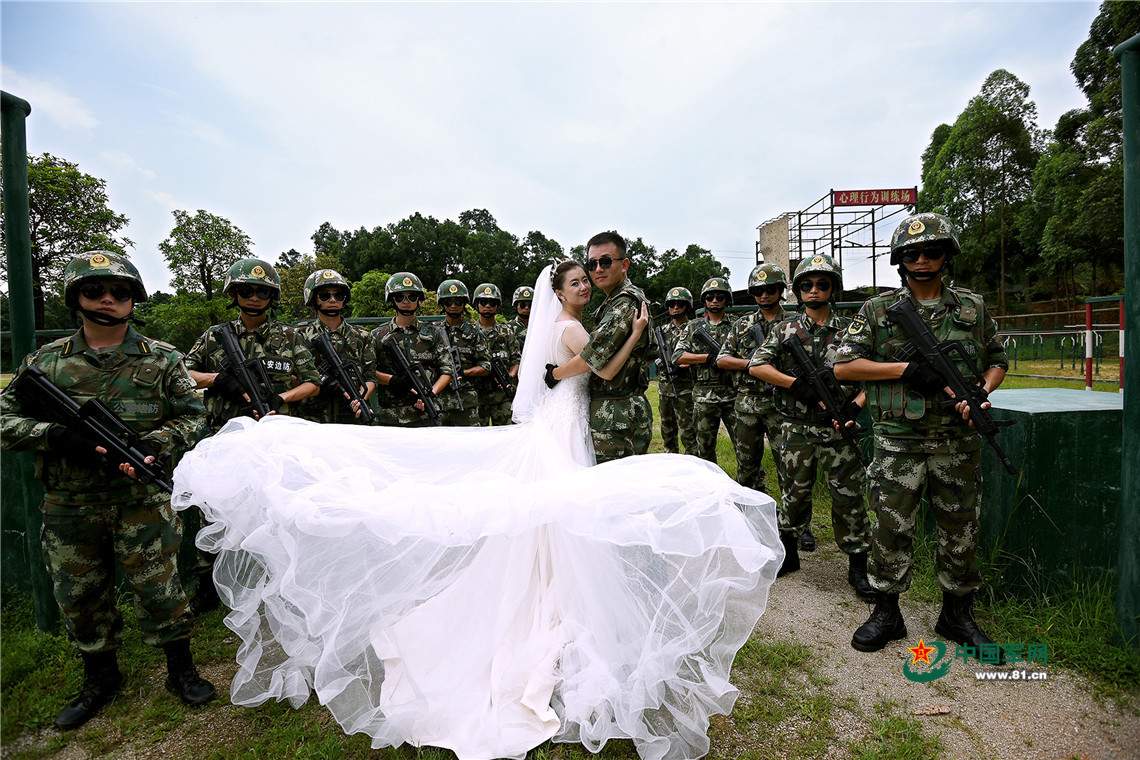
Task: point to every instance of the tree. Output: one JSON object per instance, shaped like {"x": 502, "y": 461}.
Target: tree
{"x": 984, "y": 169}
{"x": 292, "y": 304}
{"x": 181, "y": 318}
{"x": 690, "y": 269}
{"x": 69, "y": 213}
{"x": 200, "y": 250}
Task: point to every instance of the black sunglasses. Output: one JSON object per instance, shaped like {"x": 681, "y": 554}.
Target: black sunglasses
{"x": 486, "y": 302}
{"x": 452, "y": 301}
{"x": 822, "y": 285}
{"x": 766, "y": 290}
{"x": 401, "y": 297}
{"x": 605, "y": 262}
{"x": 682, "y": 304}
{"x": 324, "y": 296}
{"x": 249, "y": 291}
{"x": 910, "y": 255}
{"x": 710, "y": 297}
{"x": 95, "y": 290}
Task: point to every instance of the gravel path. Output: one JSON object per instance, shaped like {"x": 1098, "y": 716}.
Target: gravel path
{"x": 1026, "y": 720}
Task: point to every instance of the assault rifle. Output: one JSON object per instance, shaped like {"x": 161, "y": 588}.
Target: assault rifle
{"x": 412, "y": 372}
{"x": 501, "y": 377}
{"x": 709, "y": 342}
{"x": 457, "y": 377}
{"x": 93, "y": 421}
{"x": 250, "y": 373}
{"x": 668, "y": 371}
{"x": 938, "y": 356}
{"x": 830, "y": 393}
{"x": 345, "y": 375}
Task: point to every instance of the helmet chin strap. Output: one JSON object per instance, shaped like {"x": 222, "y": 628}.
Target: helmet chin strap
{"x": 330, "y": 312}
{"x": 106, "y": 320}
{"x": 405, "y": 312}
{"x": 920, "y": 276}
{"x": 816, "y": 304}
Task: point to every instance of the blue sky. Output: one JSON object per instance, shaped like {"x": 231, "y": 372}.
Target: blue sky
{"x": 680, "y": 123}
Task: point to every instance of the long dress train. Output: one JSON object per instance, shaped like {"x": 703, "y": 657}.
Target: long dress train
{"x": 483, "y": 589}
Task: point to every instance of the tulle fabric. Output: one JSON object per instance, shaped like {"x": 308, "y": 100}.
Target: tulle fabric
{"x": 483, "y": 589}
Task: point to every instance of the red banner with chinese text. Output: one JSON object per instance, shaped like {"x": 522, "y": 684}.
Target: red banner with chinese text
{"x": 905, "y": 195}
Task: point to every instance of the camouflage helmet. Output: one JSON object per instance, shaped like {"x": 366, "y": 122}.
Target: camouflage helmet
{"x": 323, "y": 278}
{"x": 452, "y": 289}
{"x": 716, "y": 285}
{"x": 766, "y": 274}
{"x": 679, "y": 294}
{"x": 820, "y": 262}
{"x": 252, "y": 272}
{"x": 923, "y": 228}
{"x": 522, "y": 293}
{"x": 93, "y": 264}
{"x": 488, "y": 290}
{"x": 403, "y": 282}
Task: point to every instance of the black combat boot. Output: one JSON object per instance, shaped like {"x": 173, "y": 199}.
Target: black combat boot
{"x": 205, "y": 598}
{"x": 183, "y": 679}
{"x": 857, "y": 577}
{"x": 956, "y": 623}
{"x": 101, "y": 680}
{"x": 807, "y": 540}
{"x": 885, "y": 625}
{"x": 791, "y": 555}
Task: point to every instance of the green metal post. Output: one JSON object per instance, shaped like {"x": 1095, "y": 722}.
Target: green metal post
{"x": 21, "y": 490}
{"x": 1128, "y": 560}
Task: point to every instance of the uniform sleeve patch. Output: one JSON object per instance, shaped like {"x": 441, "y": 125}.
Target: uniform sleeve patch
{"x": 858, "y": 324}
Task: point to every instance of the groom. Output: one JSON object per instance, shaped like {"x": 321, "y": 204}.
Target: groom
{"x": 621, "y": 419}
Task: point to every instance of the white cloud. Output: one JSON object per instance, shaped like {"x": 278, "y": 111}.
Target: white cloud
{"x": 54, "y": 102}
{"x": 122, "y": 160}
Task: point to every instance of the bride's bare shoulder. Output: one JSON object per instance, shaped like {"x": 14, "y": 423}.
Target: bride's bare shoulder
{"x": 574, "y": 336}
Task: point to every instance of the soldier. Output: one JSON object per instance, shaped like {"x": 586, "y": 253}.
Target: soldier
{"x": 755, "y": 406}
{"x": 621, "y": 419}
{"x": 254, "y": 286}
{"x": 675, "y": 401}
{"x": 421, "y": 344}
{"x": 810, "y": 437}
{"x": 96, "y": 516}
{"x": 919, "y": 446}
{"x": 713, "y": 397}
{"x": 328, "y": 293}
{"x": 467, "y": 344}
{"x": 522, "y": 299}
{"x": 503, "y": 348}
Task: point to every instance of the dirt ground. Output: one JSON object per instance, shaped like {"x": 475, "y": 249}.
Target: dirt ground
{"x": 1010, "y": 720}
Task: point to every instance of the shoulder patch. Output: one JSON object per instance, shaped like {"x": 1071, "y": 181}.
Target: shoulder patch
{"x": 858, "y": 325}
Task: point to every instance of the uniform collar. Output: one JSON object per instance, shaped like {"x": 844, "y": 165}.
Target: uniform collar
{"x": 781, "y": 315}
{"x": 413, "y": 327}
{"x": 625, "y": 287}
{"x": 949, "y": 298}
{"x": 809, "y": 324}
{"x": 133, "y": 344}
{"x": 261, "y": 331}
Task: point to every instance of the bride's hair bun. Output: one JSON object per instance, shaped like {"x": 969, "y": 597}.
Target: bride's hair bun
{"x": 559, "y": 270}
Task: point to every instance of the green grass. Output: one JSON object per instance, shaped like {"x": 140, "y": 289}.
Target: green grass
{"x": 896, "y": 738}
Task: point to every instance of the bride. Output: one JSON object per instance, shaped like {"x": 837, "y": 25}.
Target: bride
{"x": 486, "y": 589}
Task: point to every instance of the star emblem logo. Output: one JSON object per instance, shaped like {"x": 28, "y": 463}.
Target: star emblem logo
{"x": 921, "y": 653}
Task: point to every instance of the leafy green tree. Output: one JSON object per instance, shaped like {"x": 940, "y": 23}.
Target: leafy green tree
{"x": 69, "y": 213}
{"x": 983, "y": 172}
{"x": 201, "y": 248}
{"x": 292, "y": 305}
{"x": 181, "y": 318}
{"x": 368, "y": 296}
{"x": 690, "y": 269}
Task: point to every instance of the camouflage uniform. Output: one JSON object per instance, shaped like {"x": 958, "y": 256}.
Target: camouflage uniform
{"x": 422, "y": 344}
{"x": 621, "y": 419}
{"x": 755, "y": 406}
{"x": 354, "y": 345}
{"x": 282, "y": 350}
{"x": 676, "y": 403}
{"x": 519, "y": 328}
{"x": 918, "y": 445}
{"x": 467, "y": 340}
{"x": 95, "y": 518}
{"x": 494, "y": 403}
{"x": 713, "y": 396}
{"x": 810, "y": 440}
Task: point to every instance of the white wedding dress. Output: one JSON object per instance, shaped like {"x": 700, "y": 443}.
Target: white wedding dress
{"x": 484, "y": 589}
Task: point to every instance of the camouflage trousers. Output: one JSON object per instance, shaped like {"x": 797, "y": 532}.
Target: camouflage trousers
{"x": 774, "y": 427}
{"x": 677, "y": 421}
{"x": 751, "y": 427}
{"x": 953, "y": 486}
{"x": 495, "y": 413}
{"x": 403, "y": 416}
{"x": 806, "y": 448}
{"x": 81, "y": 550}
{"x": 710, "y": 408}
{"x": 620, "y": 427}
{"x": 469, "y": 417}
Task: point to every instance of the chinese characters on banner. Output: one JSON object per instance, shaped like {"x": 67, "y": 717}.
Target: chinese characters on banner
{"x": 906, "y": 195}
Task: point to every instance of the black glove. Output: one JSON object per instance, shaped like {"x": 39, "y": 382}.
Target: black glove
{"x": 64, "y": 441}
{"x": 548, "y": 377}
{"x": 851, "y": 411}
{"x": 275, "y": 402}
{"x": 399, "y": 385}
{"x": 228, "y": 387}
{"x": 150, "y": 448}
{"x": 922, "y": 377}
{"x": 803, "y": 391}
{"x": 330, "y": 388}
